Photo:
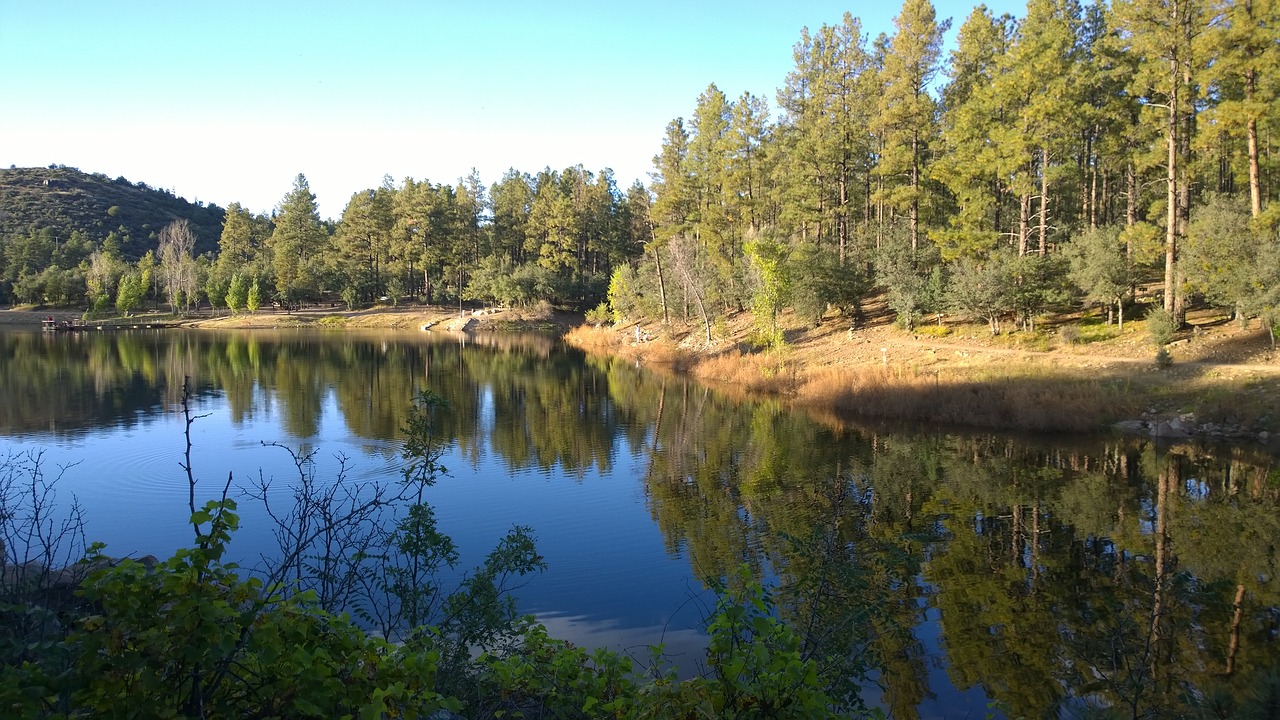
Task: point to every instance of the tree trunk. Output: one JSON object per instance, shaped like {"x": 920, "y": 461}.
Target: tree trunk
{"x": 915, "y": 191}
{"x": 1044, "y": 200}
{"x": 1255, "y": 187}
{"x": 662, "y": 284}
{"x": 1024, "y": 222}
{"x": 842, "y": 218}
{"x": 1171, "y": 194}
{"x": 1131, "y": 202}
{"x": 880, "y": 203}
{"x": 1093, "y": 185}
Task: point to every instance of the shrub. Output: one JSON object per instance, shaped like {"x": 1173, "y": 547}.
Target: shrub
{"x": 1161, "y": 325}
{"x": 1069, "y": 334}
{"x": 933, "y": 330}
{"x": 1035, "y": 340}
{"x": 599, "y": 315}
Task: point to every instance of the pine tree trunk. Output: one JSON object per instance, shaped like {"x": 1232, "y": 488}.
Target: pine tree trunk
{"x": 1131, "y": 202}
{"x": 915, "y": 191}
{"x": 1093, "y": 189}
{"x": 1255, "y": 187}
{"x": 842, "y": 218}
{"x": 1024, "y": 222}
{"x": 662, "y": 286}
{"x": 1044, "y": 201}
{"x": 1171, "y": 194}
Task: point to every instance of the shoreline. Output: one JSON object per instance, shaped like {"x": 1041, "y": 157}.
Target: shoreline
{"x": 1223, "y": 383}
{"x": 1222, "y": 386}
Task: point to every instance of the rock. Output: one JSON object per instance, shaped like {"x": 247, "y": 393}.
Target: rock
{"x": 1131, "y": 426}
{"x": 1169, "y": 429}
{"x": 1264, "y": 436}
{"x": 461, "y": 324}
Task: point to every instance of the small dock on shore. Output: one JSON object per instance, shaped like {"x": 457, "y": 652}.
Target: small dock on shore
{"x": 55, "y": 326}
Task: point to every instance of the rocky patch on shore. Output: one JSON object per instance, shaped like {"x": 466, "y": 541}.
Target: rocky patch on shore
{"x": 1185, "y": 426}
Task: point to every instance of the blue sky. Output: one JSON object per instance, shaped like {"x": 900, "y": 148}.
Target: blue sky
{"x": 228, "y": 101}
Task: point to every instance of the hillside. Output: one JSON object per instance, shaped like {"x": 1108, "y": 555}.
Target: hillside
{"x": 65, "y": 199}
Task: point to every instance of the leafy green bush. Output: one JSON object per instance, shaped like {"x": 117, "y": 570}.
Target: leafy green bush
{"x": 195, "y": 636}
{"x": 599, "y": 315}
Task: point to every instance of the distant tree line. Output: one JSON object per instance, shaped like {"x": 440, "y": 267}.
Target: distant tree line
{"x": 1071, "y": 154}
{"x": 556, "y": 236}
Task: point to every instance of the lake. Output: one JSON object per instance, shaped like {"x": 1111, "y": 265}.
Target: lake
{"x": 973, "y": 573}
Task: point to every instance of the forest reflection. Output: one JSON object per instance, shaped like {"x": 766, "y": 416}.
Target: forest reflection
{"x": 1064, "y": 575}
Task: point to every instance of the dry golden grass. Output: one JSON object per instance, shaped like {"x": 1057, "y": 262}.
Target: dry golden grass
{"x": 761, "y": 373}
{"x": 661, "y": 351}
{"x": 589, "y": 337}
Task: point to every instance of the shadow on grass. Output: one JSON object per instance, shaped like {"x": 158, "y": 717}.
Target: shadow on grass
{"x": 1055, "y": 403}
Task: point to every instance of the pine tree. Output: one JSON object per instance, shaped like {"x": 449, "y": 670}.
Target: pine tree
{"x": 363, "y": 242}
{"x": 237, "y": 293}
{"x": 1162, "y": 36}
{"x": 1245, "y": 44}
{"x": 296, "y": 242}
{"x": 907, "y": 120}
{"x": 968, "y": 164}
{"x": 1038, "y": 85}
{"x": 830, "y": 100}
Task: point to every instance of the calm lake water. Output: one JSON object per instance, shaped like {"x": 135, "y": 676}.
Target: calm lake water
{"x": 975, "y": 573}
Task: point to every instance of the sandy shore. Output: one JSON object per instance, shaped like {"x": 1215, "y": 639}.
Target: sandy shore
{"x": 406, "y": 317}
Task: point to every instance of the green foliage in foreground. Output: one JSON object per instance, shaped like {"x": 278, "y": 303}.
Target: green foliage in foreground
{"x": 191, "y": 637}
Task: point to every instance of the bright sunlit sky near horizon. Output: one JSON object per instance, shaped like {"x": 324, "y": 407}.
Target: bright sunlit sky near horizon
{"x": 228, "y": 101}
